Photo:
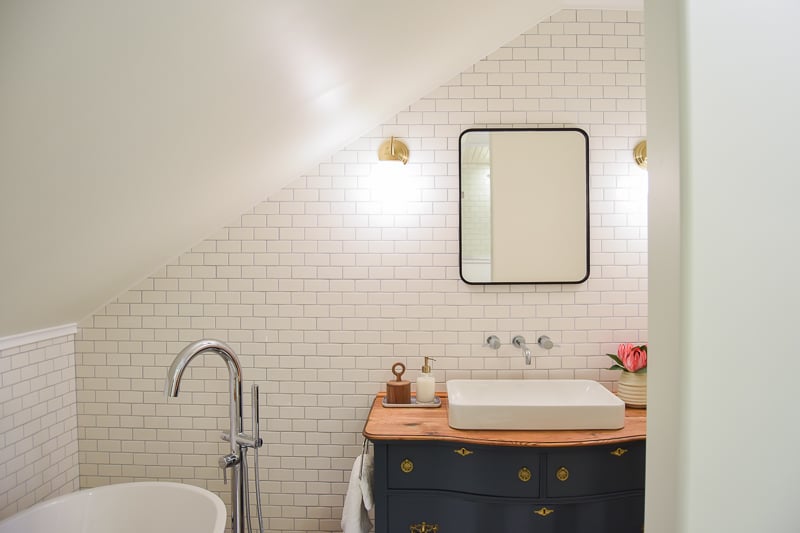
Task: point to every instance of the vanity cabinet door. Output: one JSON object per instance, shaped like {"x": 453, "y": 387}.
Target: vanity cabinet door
{"x": 595, "y": 470}
{"x": 484, "y": 470}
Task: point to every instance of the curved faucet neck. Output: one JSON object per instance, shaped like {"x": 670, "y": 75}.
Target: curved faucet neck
{"x": 182, "y": 360}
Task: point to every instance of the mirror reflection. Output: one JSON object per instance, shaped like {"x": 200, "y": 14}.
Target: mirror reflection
{"x": 524, "y": 210}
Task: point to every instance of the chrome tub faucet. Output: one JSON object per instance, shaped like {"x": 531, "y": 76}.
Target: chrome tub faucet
{"x": 238, "y": 440}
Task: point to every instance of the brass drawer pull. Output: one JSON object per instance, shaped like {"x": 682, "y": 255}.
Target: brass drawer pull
{"x": 562, "y": 474}
{"x": 424, "y": 527}
{"x": 619, "y": 452}
{"x": 524, "y": 474}
{"x": 463, "y": 452}
{"x": 544, "y": 511}
{"x": 406, "y": 466}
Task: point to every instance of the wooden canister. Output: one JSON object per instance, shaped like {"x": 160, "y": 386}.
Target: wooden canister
{"x": 399, "y": 390}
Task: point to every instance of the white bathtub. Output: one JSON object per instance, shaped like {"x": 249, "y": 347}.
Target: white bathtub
{"x": 147, "y": 507}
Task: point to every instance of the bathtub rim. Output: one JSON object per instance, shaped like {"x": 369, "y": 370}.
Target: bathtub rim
{"x": 221, "y": 515}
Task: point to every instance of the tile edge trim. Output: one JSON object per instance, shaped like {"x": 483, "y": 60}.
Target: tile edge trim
{"x": 30, "y": 337}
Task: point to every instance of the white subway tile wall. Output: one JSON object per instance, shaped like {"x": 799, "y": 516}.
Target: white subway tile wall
{"x": 38, "y": 423}
{"x": 354, "y": 266}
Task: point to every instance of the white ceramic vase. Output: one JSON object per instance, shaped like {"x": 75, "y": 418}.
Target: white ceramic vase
{"x": 632, "y": 389}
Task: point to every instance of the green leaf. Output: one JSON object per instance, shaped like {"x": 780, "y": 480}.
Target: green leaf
{"x": 616, "y": 359}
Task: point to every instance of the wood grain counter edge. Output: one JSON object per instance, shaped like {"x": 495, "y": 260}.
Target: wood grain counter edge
{"x": 412, "y": 424}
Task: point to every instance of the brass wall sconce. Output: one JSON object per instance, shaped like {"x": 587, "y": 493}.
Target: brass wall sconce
{"x": 393, "y": 150}
{"x": 640, "y": 154}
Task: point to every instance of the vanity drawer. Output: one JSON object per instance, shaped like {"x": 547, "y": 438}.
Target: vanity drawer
{"x": 595, "y": 470}
{"x": 485, "y": 470}
{"x": 452, "y": 513}
{"x": 434, "y": 512}
{"x": 610, "y": 514}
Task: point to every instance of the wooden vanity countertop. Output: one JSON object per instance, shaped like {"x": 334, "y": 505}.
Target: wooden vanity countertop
{"x": 419, "y": 423}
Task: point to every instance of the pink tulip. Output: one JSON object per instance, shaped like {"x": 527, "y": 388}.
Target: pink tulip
{"x": 634, "y": 358}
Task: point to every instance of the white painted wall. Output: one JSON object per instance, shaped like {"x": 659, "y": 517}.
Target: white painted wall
{"x": 668, "y": 361}
{"x": 131, "y": 130}
{"x": 723, "y": 401}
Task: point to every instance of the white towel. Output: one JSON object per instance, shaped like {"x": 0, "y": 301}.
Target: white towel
{"x": 355, "y": 518}
{"x": 366, "y": 481}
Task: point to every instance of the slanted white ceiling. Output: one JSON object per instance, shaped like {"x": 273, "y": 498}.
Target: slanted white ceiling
{"x": 131, "y": 130}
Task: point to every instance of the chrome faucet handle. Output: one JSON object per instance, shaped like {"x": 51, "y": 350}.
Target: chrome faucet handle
{"x": 545, "y": 342}
{"x": 225, "y": 462}
{"x": 244, "y": 440}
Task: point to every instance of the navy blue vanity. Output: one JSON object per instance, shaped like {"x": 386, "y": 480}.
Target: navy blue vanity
{"x": 432, "y": 478}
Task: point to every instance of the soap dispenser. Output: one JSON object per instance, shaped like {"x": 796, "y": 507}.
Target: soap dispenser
{"x": 426, "y": 383}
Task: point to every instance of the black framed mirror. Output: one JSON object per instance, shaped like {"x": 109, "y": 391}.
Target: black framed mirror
{"x": 524, "y": 207}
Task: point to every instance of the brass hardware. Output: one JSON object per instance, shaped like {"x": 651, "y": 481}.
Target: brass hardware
{"x": 463, "y": 452}
{"x": 562, "y": 474}
{"x": 393, "y": 150}
{"x": 424, "y": 527}
{"x": 524, "y": 474}
{"x": 544, "y": 511}
{"x": 640, "y": 154}
{"x": 619, "y": 452}
{"x": 406, "y": 466}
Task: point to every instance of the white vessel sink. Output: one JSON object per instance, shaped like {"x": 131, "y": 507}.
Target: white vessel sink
{"x": 533, "y": 404}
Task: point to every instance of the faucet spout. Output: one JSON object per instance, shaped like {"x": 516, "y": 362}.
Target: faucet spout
{"x": 179, "y": 364}
{"x": 519, "y": 342}
{"x": 182, "y": 360}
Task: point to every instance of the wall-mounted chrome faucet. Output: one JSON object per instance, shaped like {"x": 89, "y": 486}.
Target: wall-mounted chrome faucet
{"x": 239, "y": 441}
{"x": 519, "y": 342}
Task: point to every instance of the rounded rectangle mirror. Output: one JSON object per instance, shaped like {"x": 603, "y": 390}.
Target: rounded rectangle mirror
{"x": 524, "y": 209}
